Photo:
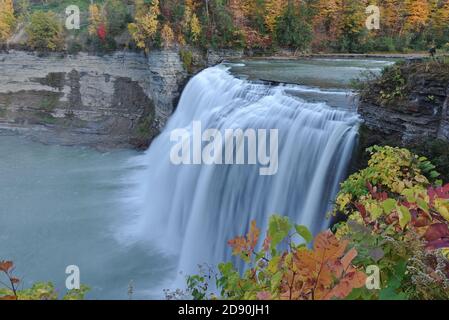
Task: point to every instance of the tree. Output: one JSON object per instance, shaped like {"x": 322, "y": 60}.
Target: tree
{"x": 439, "y": 21}
{"x": 7, "y": 19}
{"x": 195, "y": 28}
{"x": 221, "y": 31}
{"x": 324, "y": 272}
{"x": 191, "y": 24}
{"x": 23, "y": 9}
{"x": 325, "y": 18}
{"x": 45, "y": 32}
{"x": 274, "y": 9}
{"x": 39, "y": 291}
{"x": 167, "y": 35}
{"x": 390, "y": 14}
{"x": 117, "y": 16}
{"x": 146, "y": 24}
{"x": 418, "y": 12}
{"x": 95, "y": 19}
{"x": 293, "y": 28}
{"x": 351, "y": 27}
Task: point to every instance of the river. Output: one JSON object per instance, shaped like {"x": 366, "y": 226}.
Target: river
{"x": 125, "y": 217}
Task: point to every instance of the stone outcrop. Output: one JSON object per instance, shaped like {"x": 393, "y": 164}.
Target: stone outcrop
{"x": 419, "y": 109}
{"x": 167, "y": 77}
{"x": 117, "y": 100}
{"x": 217, "y": 56}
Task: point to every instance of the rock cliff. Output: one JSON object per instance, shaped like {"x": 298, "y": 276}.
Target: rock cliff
{"x": 118, "y": 100}
{"x": 409, "y": 102}
{"x": 408, "y": 107}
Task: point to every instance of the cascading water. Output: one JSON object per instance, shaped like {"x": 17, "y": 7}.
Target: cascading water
{"x": 195, "y": 209}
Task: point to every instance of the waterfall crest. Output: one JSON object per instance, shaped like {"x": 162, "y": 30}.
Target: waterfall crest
{"x": 195, "y": 209}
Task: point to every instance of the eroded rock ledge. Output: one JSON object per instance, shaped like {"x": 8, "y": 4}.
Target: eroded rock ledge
{"x": 409, "y": 102}
{"x": 408, "y": 107}
{"x": 112, "y": 101}
{"x": 118, "y": 100}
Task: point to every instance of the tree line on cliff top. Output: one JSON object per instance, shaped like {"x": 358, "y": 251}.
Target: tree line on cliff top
{"x": 266, "y": 25}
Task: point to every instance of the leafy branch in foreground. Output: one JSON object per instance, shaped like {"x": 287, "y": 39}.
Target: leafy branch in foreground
{"x": 286, "y": 269}
{"x": 39, "y": 291}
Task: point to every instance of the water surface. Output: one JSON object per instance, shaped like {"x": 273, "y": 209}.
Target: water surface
{"x": 61, "y": 206}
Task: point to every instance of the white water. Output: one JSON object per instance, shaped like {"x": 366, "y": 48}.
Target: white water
{"x": 194, "y": 210}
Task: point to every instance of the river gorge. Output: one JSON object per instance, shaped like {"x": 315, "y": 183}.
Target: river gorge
{"x": 74, "y": 192}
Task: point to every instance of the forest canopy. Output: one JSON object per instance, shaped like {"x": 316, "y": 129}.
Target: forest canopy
{"x": 264, "y": 25}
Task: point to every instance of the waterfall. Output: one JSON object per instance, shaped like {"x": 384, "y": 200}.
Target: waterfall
{"x": 193, "y": 210}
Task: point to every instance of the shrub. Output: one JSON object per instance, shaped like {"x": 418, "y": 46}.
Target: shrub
{"x": 7, "y": 19}
{"x": 397, "y": 219}
{"x": 45, "y": 32}
{"x": 117, "y": 16}
{"x": 446, "y": 47}
{"x": 38, "y": 291}
{"x": 297, "y": 273}
{"x": 187, "y": 59}
{"x": 292, "y": 29}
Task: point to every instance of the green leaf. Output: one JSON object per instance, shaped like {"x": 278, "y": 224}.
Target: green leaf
{"x": 391, "y": 294}
{"x": 423, "y": 205}
{"x": 389, "y": 205}
{"x": 434, "y": 174}
{"x": 304, "y": 232}
{"x": 410, "y": 195}
{"x": 376, "y": 211}
{"x": 278, "y": 229}
{"x": 404, "y": 216}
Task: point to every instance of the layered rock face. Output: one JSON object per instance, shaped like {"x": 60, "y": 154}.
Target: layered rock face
{"x": 167, "y": 78}
{"x": 118, "y": 100}
{"x": 419, "y": 109}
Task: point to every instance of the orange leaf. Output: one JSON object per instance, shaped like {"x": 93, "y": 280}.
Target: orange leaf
{"x": 5, "y": 266}
{"x": 327, "y": 246}
{"x": 253, "y": 235}
{"x": 347, "y": 259}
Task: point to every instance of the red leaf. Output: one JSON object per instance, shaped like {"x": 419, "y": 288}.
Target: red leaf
{"x": 438, "y": 244}
{"x": 437, "y": 231}
{"x": 101, "y": 32}
{"x": 361, "y": 209}
{"x": 442, "y": 193}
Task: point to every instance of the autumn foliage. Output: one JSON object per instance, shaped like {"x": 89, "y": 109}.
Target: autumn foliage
{"x": 283, "y": 269}
{"x": 39, "y": 291}
{"x": 256, "y": 25}
{"x": 396, "y": 219}
{"x": 7, "y": 19}
{"x": 399, "y": 209}
{"x": 321, "y": 25}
